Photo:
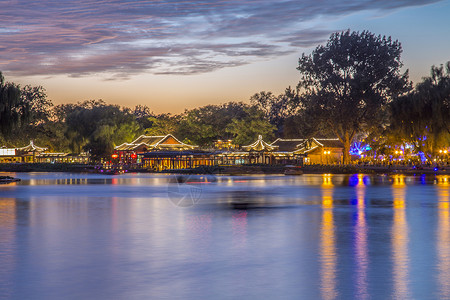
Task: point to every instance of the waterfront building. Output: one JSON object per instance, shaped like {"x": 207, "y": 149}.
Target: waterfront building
{"x": 25, "y": 154}
{"x": 314, "y": 150}
{"x": 35, "y": 154}
{"x": 167, "y": 152}
{"x": 261, "y": 152}
{"x": 160, "y": 153}
{"x": 62, "y": 157}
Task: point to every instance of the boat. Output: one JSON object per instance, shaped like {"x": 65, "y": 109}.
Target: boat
{"x": 292, "y": 170}
{"x": 8, "y": 179}
{"x": 113, "y": 172}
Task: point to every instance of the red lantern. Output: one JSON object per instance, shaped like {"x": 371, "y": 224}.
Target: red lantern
{"x": 115, "y": 156}
{"x": 134, "y": 155}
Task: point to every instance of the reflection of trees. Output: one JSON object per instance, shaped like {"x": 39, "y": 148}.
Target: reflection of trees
{"x": 400, "y": 240}
{"x": 7, "y": 239}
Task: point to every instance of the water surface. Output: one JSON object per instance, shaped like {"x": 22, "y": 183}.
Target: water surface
{"x": 142, "y": 236}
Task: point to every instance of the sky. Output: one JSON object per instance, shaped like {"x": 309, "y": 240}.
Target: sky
{"x": 172, "y": 55}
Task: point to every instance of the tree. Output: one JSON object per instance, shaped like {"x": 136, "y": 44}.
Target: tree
{"x": 205, "y": 124}
{"x": 422, "y": 117}
{"x": 143, "y": 115}
{"x": 10, "y": 102}
{"x": 435, "y": 92}
{"x": 347, "y": 83}
{"x": 96, "y": 127}
{"x": 35, "y": 105}
{"x": 246, "y": 130}
{"x": 276, "y": 108}
{"x": 162, "y": 124}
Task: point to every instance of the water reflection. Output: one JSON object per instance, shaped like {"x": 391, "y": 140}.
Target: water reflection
{"x": 304, "y": 237}
{"x": 327, "y": 249}
{"x": 360, "y": 240}
{"x": 443, "y": 236}
{"x": 7, "y": 243}
{"x": 400, "y": 240}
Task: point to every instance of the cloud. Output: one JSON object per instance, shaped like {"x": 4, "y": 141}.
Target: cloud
{"x": 122, "y": 38}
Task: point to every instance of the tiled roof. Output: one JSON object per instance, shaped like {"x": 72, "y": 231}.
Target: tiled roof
{"x": 313, "y": 143}
{"x": 331, "y": 143}
{"x": 259, "y": 145}
{"x": 154, "y": 142}
{"x": 31, "y": 147}
{"x": 149, "y": 140}
{"x": 288, "y": 145}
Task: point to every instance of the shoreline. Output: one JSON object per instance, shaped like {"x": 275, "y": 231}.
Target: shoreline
{"x": 232, "y": 170}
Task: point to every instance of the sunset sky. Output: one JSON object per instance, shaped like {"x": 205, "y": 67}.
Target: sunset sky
{"x": 171, "y": 55}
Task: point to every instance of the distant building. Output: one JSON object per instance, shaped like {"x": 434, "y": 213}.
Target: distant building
{"x": 24, "y": 154}
{"x": 260, "y": 152}
{"x": 32, "y": 153}
{"x": 315, "y": 150}
{"x": 225, "y": 144}
{"x": 130, "y": 153}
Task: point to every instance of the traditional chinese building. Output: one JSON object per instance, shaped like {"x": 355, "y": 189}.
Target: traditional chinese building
{"x": 260, "y": 152}
{"x": 315, "y": 150}
{"x": 34, "y": 154}
{"x": 157, "y": 152}
{"x": 24, "y": 154}
{"x": 169, "y": 160}
{"x": 131, "y": 153}
{"x": 63, "y": 157}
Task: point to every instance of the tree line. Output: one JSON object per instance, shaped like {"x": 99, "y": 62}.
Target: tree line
{"x": 351, "y": 88}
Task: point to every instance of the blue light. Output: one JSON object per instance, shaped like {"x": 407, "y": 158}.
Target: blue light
{"x": 358, "y": 148}
{"x": 422, "y": 156}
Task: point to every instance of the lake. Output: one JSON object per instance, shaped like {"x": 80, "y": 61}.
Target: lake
{"x": 147, "y": 236}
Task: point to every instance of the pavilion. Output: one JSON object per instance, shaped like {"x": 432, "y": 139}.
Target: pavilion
{"x": 29, "y": 152}
{"x": 260, "y": 152}
{"x": 131, "y": 152}
{"x": 160, "y": 153}
{"x": 315, "y": 150}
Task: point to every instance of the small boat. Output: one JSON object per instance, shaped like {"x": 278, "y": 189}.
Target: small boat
{"x": 8, "y": 179}
{"x": 113, "y": 172}
{"x": 293, "y": 170}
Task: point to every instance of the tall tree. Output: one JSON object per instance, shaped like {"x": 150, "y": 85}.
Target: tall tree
{"x": 422, "y": 117}
{"x": 347, "y": 83}
{"x": 205, "y": 124}
{"x": 35, "y": 104}
{"x": 97, "y": 127}
{"x": 276, "y": 108}
{"x": 10, "y": 102}
{"x": 143, "y": 116}
{"x": 246, "y": 130}
{"x": 163, "y": 124}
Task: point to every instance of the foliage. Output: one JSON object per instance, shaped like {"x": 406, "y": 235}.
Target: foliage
{"x": 347, "y": 83}
{"x": 205, "y": 124}
{"x": 162, "y": 124}
{"x": 35, "y": 104}
{"x": 422, "y": 117}
{"x": 96, "y": 127}
{"x": 10, "y": 102}
{"x": 246, "y": 130}
{"x": 143, "y": 114}
{"x": 276, "y": 108}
